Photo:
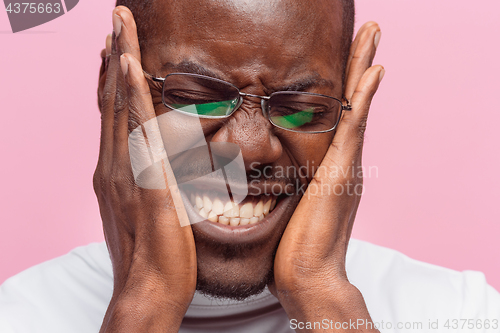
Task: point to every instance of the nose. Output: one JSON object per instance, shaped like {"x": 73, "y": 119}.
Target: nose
{"x": 253, "y": 133}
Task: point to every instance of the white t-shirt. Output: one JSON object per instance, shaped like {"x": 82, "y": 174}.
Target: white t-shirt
{"x": 71, "y": 294}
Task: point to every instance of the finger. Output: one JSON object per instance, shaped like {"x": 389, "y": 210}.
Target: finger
{"x": 138, "y": 138}
{"x": 102, "y": 78}
{"x": 125, "y": 41}
{"x": 126, "y": 32}
{"x": 136, "y": 106}
{"x": 141, "y": 104}
{"x": 141, "y": 112}
{"x": 107, "y": 101}
{"x": 109, "y": 42}
{"x": 102, "y": 70}
{"x": 105, "y": 53}
{"x": 348, "y": 140}
{"x": 362, "y": 56}
{"x": 354, "y": 45}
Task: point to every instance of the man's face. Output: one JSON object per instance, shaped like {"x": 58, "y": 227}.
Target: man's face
{"x": 260, "y": 46}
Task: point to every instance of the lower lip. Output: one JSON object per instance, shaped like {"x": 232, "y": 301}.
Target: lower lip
{"x": 249, "y": 233}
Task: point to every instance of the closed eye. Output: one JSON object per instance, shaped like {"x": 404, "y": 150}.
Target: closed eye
{"x": 189, "y": 97}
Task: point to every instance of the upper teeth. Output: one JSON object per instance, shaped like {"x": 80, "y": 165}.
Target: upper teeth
{"x": 232, "y": 214}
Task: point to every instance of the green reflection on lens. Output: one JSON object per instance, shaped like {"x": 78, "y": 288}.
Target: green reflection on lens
{"x": 215, "y": 109}
{"x": 295, "y": 120}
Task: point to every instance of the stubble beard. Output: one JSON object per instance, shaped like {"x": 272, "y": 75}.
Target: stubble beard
{"x": 234, "y": 271}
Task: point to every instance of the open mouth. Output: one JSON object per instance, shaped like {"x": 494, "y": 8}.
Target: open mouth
{"x": 215, "y": 217}
{"x": 250, "y": 211}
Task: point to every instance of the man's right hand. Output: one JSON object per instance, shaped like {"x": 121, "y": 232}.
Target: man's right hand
{"x": 153, "y": 257}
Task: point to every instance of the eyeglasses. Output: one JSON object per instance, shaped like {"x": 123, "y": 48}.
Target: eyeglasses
{"x": 207, "y": 97}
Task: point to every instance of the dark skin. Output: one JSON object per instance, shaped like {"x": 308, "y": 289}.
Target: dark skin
{"x": 156, "y": 262}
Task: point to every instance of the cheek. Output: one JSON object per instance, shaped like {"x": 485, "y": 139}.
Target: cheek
{"x": 181, "y": 132}
{"x": 306, "y": 150}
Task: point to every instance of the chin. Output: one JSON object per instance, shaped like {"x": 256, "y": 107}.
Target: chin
{"x": 234, "y": 279}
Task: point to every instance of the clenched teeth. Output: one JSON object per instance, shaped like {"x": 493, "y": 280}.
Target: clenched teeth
{"x": 229, "y": 213}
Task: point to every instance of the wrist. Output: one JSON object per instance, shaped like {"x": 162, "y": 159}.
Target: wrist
{"x": 295, "y": 288}
{"x": 147, "y": 306}
{"x": 142, "y": 315}
{"x": 340, "y": 304}
{"x": 316, "y": 294}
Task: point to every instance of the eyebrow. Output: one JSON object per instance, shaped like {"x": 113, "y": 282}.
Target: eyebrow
{"x": 307, "y": 83}
{"x": 302, "y": 84}
{"x": 187, "y": 66}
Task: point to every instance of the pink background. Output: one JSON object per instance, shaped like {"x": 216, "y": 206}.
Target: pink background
{"x": 433, "y": 134}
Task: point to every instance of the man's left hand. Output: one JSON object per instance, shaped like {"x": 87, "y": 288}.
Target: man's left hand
{"x": 310, "y": 275}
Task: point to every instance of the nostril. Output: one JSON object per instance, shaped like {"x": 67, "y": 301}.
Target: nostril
{"x": 253, "y": 134}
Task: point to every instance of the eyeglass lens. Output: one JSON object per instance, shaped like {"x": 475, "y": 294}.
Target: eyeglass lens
{"x": 208, "y": 97}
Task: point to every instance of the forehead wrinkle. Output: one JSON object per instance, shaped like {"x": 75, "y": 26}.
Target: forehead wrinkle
{"x": 252, "y": 50}
{"x": 254, "y": 41}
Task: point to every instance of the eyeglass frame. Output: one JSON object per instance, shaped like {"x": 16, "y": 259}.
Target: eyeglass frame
{"x": 264, "y": 99}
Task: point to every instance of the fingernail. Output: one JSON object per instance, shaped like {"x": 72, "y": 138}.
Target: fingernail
{"x": 124, "y": 64}
{"x": 381, "y": 75}
{"x": 376, "y": 40}
{"x": 117, "y": 25}
{"x": 108, "y": 45}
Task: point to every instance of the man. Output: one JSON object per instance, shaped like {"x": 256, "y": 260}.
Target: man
{"x": 298, "y": 250}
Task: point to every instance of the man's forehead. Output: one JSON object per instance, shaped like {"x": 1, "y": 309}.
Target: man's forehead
{"x": 262, "y": 10}
{"x": 277, "y": 42}
{"x": 249, "y": 19}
